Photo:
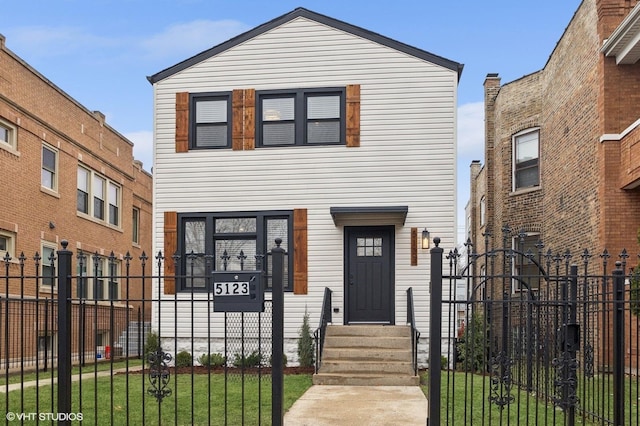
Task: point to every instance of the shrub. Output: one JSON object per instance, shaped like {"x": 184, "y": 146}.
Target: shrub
{"x": 306, "y": 347}
{"x": 151, "y": 343}
{"x": 284, "y": 360}
{"x": 213, "y": 360}
{"x": 252, "y": 360}
{"x": 184, "y": 359}
{"x": 473, "y": 345}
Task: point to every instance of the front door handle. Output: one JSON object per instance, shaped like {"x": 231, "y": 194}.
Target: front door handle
{"x": 351, "y": 279}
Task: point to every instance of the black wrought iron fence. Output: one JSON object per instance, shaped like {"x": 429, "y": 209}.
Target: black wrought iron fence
{"x": 548, "y": 339}
{"x": 86, "y": 352}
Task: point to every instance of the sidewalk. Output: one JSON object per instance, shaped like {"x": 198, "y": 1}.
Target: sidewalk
{"x": 359, "y": 405}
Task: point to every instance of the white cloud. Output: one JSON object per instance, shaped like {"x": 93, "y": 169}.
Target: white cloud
{"x": 44, "y": 41}
{"x": 142, "y": 147}
{"x": 189, "y": 38}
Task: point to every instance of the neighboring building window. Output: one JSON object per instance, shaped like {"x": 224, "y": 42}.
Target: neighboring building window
{"x": 98, "y": 277}
{"x": 526, "y": 272}
{"x": 526, "y": 172}
{"x": 301, "y": 117}
{"x": 483, "y": 211}
{"x": 135, "y": 237}
{"x": 105, "y": 196}
{"x": 231, "y": 242}
{"x": 48, "y": 265}
{"x": 49, "y": 168}
{"x": 211, "y": 127}
{"x": 114, "y": 204}
{"x": 7, "y": 135}
{"x": 7, "y": 244}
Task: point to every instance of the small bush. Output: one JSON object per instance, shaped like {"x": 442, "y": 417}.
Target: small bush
{"x": 184, "y": 359}
{"x": 306, "y": 349}
{"x": 284, "y": 360}
{"x": 213, "y": 360}
{"x": 151, "y": 343}
{"x": 252, "y": 360}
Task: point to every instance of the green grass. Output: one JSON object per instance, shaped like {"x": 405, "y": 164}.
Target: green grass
{"x": 195, "y": 400}
{"x": 465, "y": 400}
{"x": 29, "y": 375}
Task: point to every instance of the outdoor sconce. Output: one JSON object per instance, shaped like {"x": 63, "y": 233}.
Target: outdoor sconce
{"x": 425, "y": 239}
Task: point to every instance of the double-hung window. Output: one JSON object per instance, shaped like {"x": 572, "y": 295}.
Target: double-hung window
{"x": 231, "y": 242}
{"x": 526, "y": 171}
{"x": 98, "y": 197}
{"x": 7, "y": 135}
{"x": 47, "y": 265}
{"x": 211, "y": 124}
{"x": 49, "y": 178}
{"x": 301, "y": 117}
{"x": 98, "y": 277}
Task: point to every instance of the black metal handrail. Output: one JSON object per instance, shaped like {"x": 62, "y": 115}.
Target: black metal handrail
{"x": 325, "y": 318}
{"x": 415, "y": 334}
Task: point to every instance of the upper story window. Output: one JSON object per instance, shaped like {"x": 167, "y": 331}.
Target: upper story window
{"x": 7, "y": 135}
{"x": 135, "y": 221}
{"x": 211, "y": 123}
{"x": 526, "y": 153}
{"x": 49, "y": 178}
{"x": 301, "y": 117}
{"x": 483, "y": 210}
{"x": 98, "y": 197}
{"x": 231, "y": 242}
{"x": 47, "y": 265}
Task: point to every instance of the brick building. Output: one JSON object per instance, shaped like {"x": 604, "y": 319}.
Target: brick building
{"x": 562, "y": 161}
{"x": 68, "y": 176}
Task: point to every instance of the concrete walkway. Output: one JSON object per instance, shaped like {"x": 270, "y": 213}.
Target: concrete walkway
{"x": 359, "y": 406}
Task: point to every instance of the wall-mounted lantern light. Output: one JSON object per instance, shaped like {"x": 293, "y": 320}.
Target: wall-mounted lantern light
{"x": 425, "y": 239}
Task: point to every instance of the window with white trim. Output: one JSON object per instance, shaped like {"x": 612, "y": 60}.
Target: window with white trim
{"x": 301, "y": 117}
{"x": 7, "y": 135}
{"x": 7, "y": 244}
{"x": 98, "y": 197}
{"x": 98, "y": 277}
{"x": 49, "y": 179}
{"x": 526, "y": 153}
{"x": 48, "y": 265}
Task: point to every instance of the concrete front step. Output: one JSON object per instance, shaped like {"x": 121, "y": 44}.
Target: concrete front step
{"x": 367, "y": 355}
{"x": 366, "y": 367}
{"x": 362, "y": 379}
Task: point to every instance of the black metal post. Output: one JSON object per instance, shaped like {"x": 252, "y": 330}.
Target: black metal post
{"x": 435, "y": 333}
{"x": 64, "y": 331}
{"x": 618, "y": 345}
{"x": 277, "y": 342}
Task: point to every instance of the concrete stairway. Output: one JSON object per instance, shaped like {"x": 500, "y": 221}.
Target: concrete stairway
{"x": 367, "y": 355}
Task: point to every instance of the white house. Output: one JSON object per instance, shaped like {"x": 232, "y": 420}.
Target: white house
{"x": 338, "y": 140}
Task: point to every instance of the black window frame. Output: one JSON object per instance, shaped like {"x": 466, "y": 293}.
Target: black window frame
{"x": 301, "y": 114}
{"x": 194, "y": 98}
{"x": 262, "y": 245}
{"x": 522, "y": 167}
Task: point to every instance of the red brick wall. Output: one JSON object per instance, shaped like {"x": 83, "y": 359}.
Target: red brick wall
{"x": 41, "y": 112}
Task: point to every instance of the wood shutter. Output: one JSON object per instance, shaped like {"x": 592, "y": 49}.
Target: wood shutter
{"x": 182, "y": 122}
{"x": 170, "y": 248}
{"x": 353, "y": 115}
{"x": 243, "y": 117}
{"x": 300, "y": 262}
{"x": 414, "y": 246}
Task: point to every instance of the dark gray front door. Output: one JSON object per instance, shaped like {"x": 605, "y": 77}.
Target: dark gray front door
{"x": 369, "y": 272}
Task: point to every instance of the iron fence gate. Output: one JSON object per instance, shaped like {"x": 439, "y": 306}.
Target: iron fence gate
{"x": 66, "y": 357}
{"x": 548, "y": 338}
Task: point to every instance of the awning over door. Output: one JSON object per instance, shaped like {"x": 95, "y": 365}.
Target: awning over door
{"x": 369, "y": 215}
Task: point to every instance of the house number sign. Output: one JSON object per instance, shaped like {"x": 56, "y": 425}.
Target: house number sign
{"x": 238, "y": 291}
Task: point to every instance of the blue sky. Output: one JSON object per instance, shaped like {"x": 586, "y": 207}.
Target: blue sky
{"x": 101, "y": 51}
